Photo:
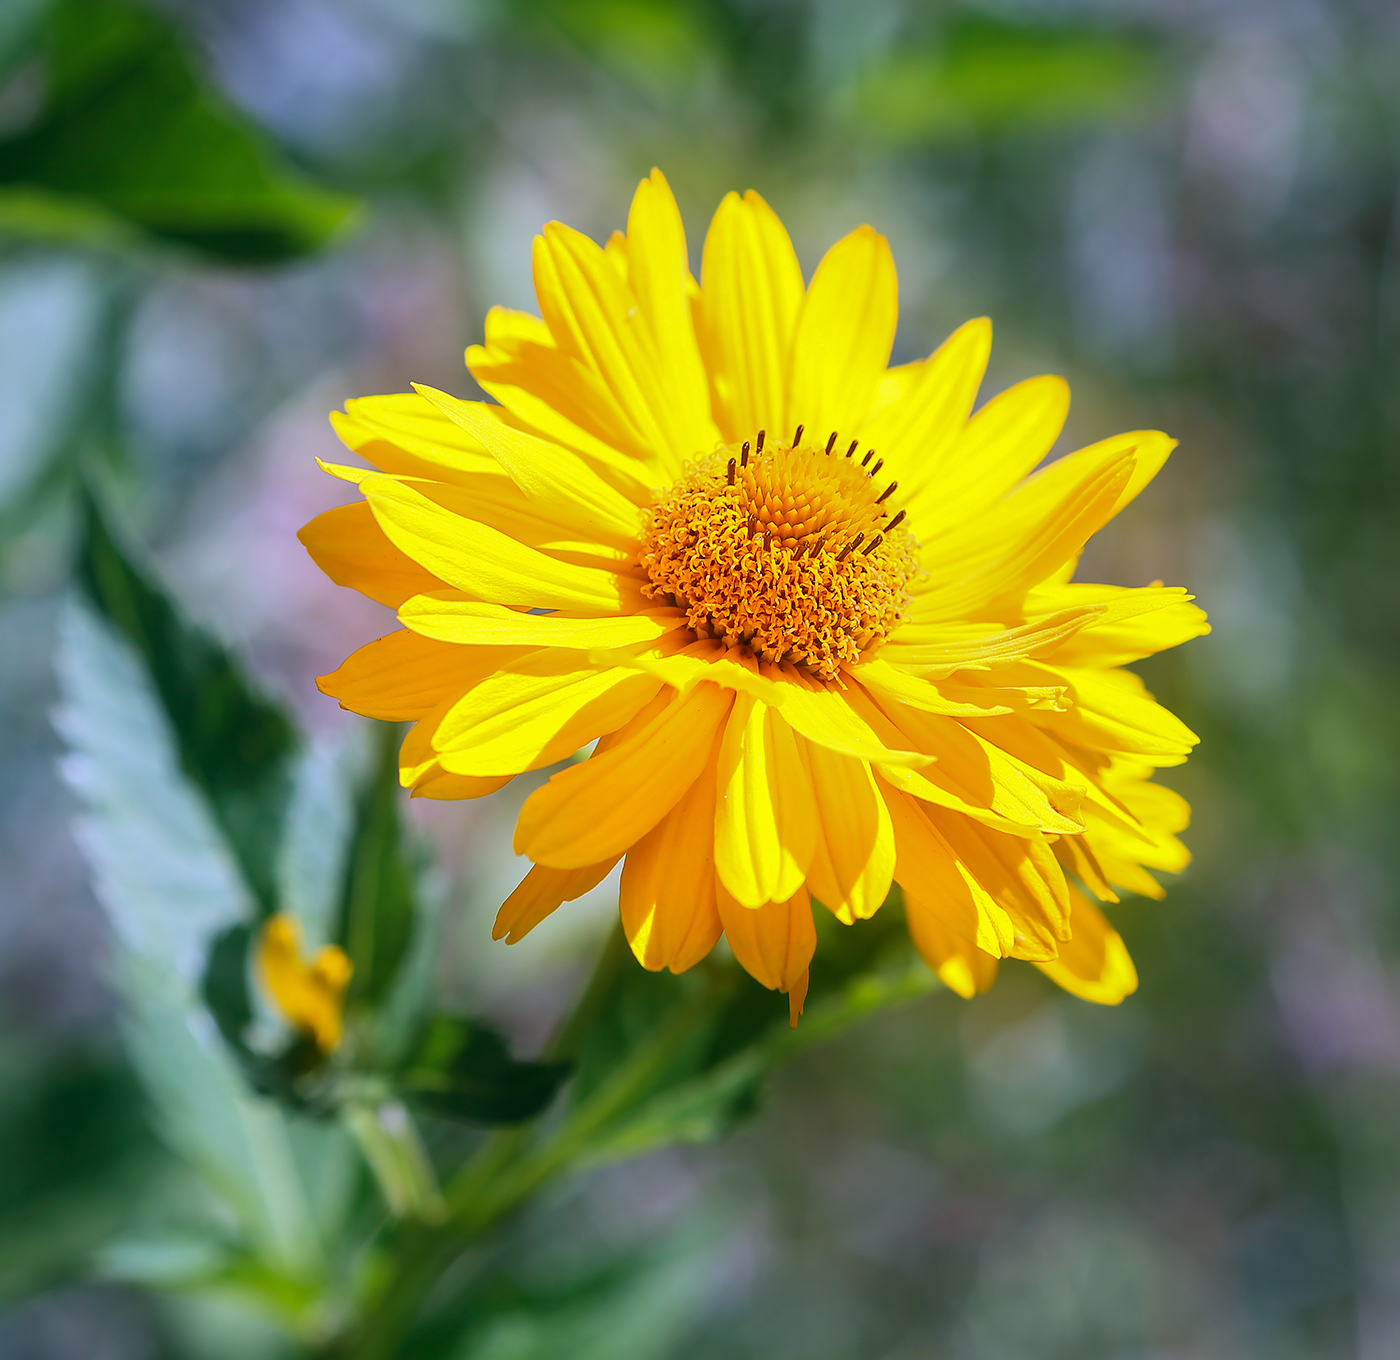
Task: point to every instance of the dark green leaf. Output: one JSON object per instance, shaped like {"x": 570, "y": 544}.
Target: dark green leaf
{"x": 464, "y": 1070}
{"x": 129, "y": 127}
{"x": 732, "y": 1031}
{"x": 225, "y": 984}
{"x": 379, "y": 908}
{"x": 235, "y": 745}
{"x": 74, "y": 1142}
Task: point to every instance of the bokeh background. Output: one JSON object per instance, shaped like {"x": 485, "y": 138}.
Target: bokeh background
{"x": 1189, "y": 207}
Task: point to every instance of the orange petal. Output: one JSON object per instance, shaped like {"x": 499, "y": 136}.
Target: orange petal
{"x": 607, "y": 804}
{"x": 960, "y": 965}
{"x": 350, "y": 547}
{"x": 775, "y": 942}
{"x": 541, "y": 892}
{"x": 668, "y": 883}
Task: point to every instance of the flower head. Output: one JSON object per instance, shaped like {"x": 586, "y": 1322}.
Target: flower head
{"x": 815, "y": 612}
{"x": 310, "y": 996}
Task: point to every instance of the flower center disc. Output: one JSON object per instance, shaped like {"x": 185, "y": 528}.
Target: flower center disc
{"x": 792, "y": 551}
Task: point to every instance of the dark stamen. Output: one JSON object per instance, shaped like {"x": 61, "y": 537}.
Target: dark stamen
{"x": 855, "y": 444}
{"x": 896, "y": 521}
{"x": 874, "y": 543}
{"x": 850, "y": 547}
{"x": 759, "y": 448}
{"x": 797, "y": 551}
{"x": 831, "y": 443}
{"x": 879, "y": 463}
{"x": 768, "y": 539}
{"x": 731, "y": 472}
{"x": 744, "y": 454}
{"x": 888, "y": 491}
{"x": 867, "y": 458}
{"x": 797, "y": 438}
{"x": 753, "y": 525}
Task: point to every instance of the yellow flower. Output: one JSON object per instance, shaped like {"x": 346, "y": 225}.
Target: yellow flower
{"x": 816, "y": 614}
{"x": 310, "y": 995}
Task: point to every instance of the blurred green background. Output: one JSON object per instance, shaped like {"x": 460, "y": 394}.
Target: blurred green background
{"x": 219, "y": 218}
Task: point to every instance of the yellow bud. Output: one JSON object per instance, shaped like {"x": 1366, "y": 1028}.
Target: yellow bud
{"x": 311, "y": 995}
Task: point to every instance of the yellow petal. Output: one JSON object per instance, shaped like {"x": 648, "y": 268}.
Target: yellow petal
{"x": 765, "y": 823}
{"x": 1158, "y": 814}
{"x": 483, "y": 562}
{"x": 658, "y": 271}
{"x": 971, "y": 774}
{"x": 615, "y": 249}
{"x": 565, "y": 488}
{"x": 506, "y": 326}
{"x": 1112, "y": 711}
{"x": 826, "y": 718}
{"x": 916, "y": 432}
{"x": 843, "y": 336}
{"x": 350, "y": 547}
{"x": 1004, "y": 441}
{"x": 750, "y": 294}
{"x": 933, "y": 650}
{"x": 540, "y": 709}
{"x": 853, "y": 866}
{"x": 402, "y": 433}
{"x": 552, "y": 394}
{"x": 819, "y": 713}
{"x": 605, "y": 805}
{"x": 1135, "y": 622}
{"x": 960, "y": 965}
{"x": 1094, "y": 965}
{"x": 1001, "y": 554}
{"x": 892, "y": 684}
{"x": 926, "y": 866}
{"x": 477, "y": 623}
{"x": 668, "y": 883}
{"x": 494, "y": 500}
{"x": 1127, "y": 462}
{"x": 594, "y": 318}
{"x": 1078, "y": 857}
{"x": 1021, "y": 875}
{"x": 540, "y": 893}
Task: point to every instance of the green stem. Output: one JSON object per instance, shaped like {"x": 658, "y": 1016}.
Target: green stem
{"x": 514, "y": 1164}
{"x": 389, "y": 1140}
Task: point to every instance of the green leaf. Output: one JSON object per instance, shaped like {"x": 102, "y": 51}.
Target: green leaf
{"x": 463, "y": 1070}
{"x": 240, "y": 751}
{"x": 234, "y": 744}
{"x": 225, "y": 985}
{"x": 160, "y": 866}
{"x": 168, "y": 884}
{"x": 130, "y": 129}
{"x": 55, "y": 220}
{"x": 327, "y": 781}
{"x": 695, "y": 1051}
{"x": 236, "y": 748}
{"x": 76, "y": 1151}
{"x": 378, "y": 910}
